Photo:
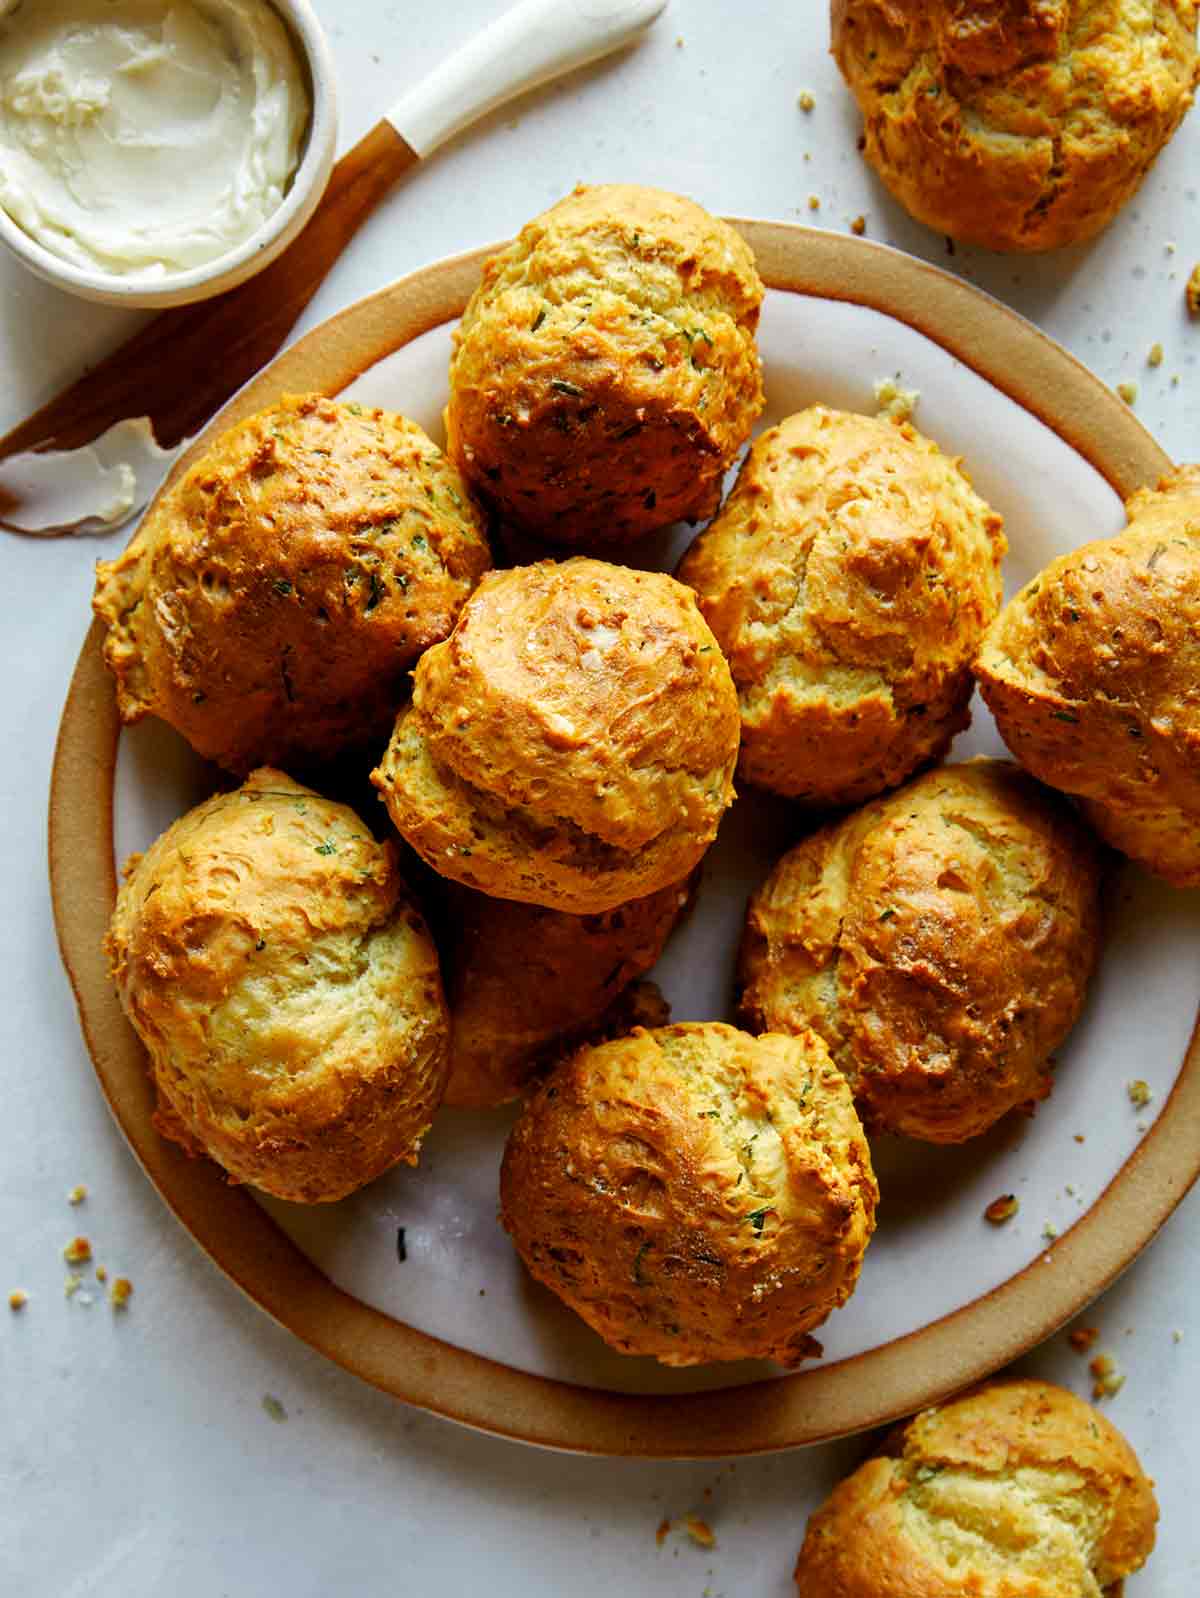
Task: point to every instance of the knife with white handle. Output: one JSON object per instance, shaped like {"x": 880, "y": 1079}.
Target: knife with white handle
{"x": 183, "y": 364}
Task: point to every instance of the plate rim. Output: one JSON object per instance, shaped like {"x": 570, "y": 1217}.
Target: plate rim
{"x": 810, "y": 1406}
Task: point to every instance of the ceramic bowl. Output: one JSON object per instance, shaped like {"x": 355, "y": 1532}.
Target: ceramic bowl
{"x": 235, "y": 266}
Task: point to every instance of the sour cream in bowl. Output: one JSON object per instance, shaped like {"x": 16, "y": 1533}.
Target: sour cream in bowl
{"x": 154, "y": 152}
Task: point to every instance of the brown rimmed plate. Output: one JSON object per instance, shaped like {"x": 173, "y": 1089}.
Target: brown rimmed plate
{"x": 943, "y": 1299}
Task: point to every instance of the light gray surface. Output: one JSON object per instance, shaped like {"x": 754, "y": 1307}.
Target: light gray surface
{"x": 137, "y": 1456}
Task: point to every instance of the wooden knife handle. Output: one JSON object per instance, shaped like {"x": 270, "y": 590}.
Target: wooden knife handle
{"x": 181, "y": 367}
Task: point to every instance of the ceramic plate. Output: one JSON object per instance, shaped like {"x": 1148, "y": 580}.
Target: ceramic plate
{"x": 456, "y": 1326}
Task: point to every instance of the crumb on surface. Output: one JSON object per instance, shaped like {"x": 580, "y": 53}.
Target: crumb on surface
{"x": 78, "y": 1251}
{"x": 77, "y": 1194}
{"x": 120, "y": 1292}
{"x": 895, "y": 402}
{"x": 1192, "y": 291}
{"x": 679, "y": 41}
{"x": 1139, "y": 1092}
{"x": 1177, "y": 1336}
{"x": 1128, "y": 392}
{"x": 72, "y": 1285}
{"x": 700, "y": 1531}
{"x": 858, "y": 226}
{"x": 1079, "y": 1138}
{"x": 1107, "y": 1379}
{"x": 1002, "y": 1209}
{"x": 18, "y": 1298}
{"x": 1049, "y": 1231}
{"x": 1081, "y": 1338}
{"x": 661, "y": 1532}
{"x": 102, "y": 1273}
{"x": 814, "y": 202}
{"x": 1155, "y": 357}
{"x": 805, "y": 100}
{"x": 274, "y": 1408}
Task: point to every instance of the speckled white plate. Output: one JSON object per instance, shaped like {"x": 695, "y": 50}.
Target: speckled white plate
{"x": 944, "y": 1298}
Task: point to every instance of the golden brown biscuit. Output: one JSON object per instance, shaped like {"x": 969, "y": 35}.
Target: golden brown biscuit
{"x": 272, "y": 601}
{"x": 285, "y": 988}
{"x": 605, "y": 373}
{"x": 694, "y": 1193}
{"x": 524, "y": 982}
{"x": 1016, "y": 1490}
{"x": 1016, "y": 124}
{"x": 848, "y": 580}
{"x": 940, "y": 940}
{"x": 1091, "y": 674}
{"x": 572, "y": 743}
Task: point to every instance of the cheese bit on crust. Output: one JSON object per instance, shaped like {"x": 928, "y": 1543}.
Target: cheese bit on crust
{"x": 78, "y": 1251}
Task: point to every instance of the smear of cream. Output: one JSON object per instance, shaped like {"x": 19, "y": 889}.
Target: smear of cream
{"x": 90, "y": 490}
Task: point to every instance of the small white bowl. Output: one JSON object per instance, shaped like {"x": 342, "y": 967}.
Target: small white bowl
{"x": 235, "y": 266}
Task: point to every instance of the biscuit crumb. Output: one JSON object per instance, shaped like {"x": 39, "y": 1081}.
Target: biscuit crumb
{"x": 71, "y": 1286}
{"x": 1139, "y": 1092}
{"x": 102, "y": 1273}
{"x": 661, "y": 1533}
{"x": 1079, "y": 1138}
{"x": 78, "y": 1251}
{"x": 679, "y": 41}
{"x": 1155, "y": 357}
{"x": 18, "y": 1298}
{"x": 859, "y": 226}
{"x": 814, "y": 202}
{"x": 1108, "y": 1380}
{"x": 1192, "y": 292}
{"x": 899, "y": 404}
{"x": 1177, "y": 1336}
{"x": 120, "y": 1292}
{"x": 1170, "y": 247}
{"x": 1049, "y": 1231}
{"x": 700, "y": 1531}
{"x": 1002, "y": 1209}
{"x": 274, "y": 1408}
{"x": 77, "y": 1194}
{"x": 806, "y": 101}
{"x": 1128, "y": 392}
{"x": 1081, "y": 1338}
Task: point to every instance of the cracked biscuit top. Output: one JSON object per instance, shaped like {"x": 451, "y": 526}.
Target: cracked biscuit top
{"x": 572, "y": 743}
{"x": 694, "y": 1193}
{"x": 1092, "y": 674}
{"x": 605, "y": 372}
{"x": 1017, "y": 1488}
{"x": 848, "y": 580}
{"x": 273, "y": 599}
{"x": 1016, "y": 124}
{"x": 940, "y": 940}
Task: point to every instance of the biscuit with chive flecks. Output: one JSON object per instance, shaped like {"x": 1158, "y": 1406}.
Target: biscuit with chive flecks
{"x": 605, "y": 373}
{"x": 572, "y": 743}
{"x": 1018, "y": 1489}
{"x": 848, "y": 580}
{"x": 286, "y": 990}
{"x": 694, "y": 1193}
{"x": 524, "y": 982}
{"x": 1091, "y": 672}
{"x": 273, "y": 600}
{"x": 1016, "y": 124}
{"x": 940, "y": 940}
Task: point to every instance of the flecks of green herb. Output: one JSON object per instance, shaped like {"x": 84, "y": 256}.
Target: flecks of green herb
{"x": 354, "y": 408}
{"x": 628, "y": 432}
{"x": 561, "y": 386}
{"x": 638, "y": 1279}
{"x": 706, "y": 649}
{"x": 637, "y": 239}
{"x": 757, "y": 1219}
{"x": 282, "y": 586}
{"x": 419, "y": 541}
{"x": 711, "y": 1115}
{"x": 260, "y": 945}
{"x": 926, "y": 1473}
{"x": 1073, "y": 614}
{"x": 456, "y": 498}
{"x": 327, "y": 848}
{"x": 538, "y": 320}
{"x": 376, "y": 594}
{"x": 1158, "y": 552}
{"x": 1065, "y": 715}
{"x": 887, "y": 914}
{"x": 274, "y": 1408}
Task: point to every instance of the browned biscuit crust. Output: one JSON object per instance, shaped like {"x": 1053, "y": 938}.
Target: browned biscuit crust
{"x": 848, "y": 580}
{"x": 271, "y": 602}
{"x": 285, "y": 988}
{"x": 572, "y": 743}
{"x": 1016, "y": 124}
{"x": 694, "y": 1193}
{"x": 524, "y": 982}
{"x": 1016, "y": 1490}
{"x": 605, "y": 373}
{"x": 940, "y": 940}
{"x": 1091, "y": 672}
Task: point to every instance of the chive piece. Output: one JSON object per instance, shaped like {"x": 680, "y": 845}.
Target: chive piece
{"x": 282, "y": 586}
{"x": 638, "y": 1279}
{"x": 757, "y": 1219}
{"x": 563, "y": 387}
{"x": 1159, "y": 551}
{"x": 538, "y": 320}
{"x": 1065, "y": 715}
{"x": 327, "y": 848}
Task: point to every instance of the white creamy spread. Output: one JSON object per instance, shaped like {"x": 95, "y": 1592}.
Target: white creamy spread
{"x": 144, "y": 137}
